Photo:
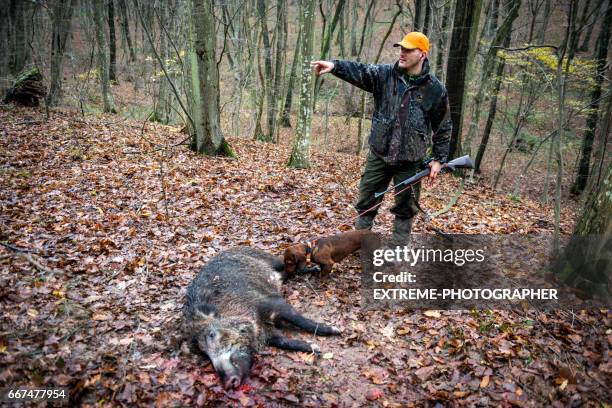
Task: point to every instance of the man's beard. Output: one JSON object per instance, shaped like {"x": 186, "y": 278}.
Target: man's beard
{"x": 407, "y": 66}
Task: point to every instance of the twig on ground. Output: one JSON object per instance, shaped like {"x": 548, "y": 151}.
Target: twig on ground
{"x": 25, "y": 253}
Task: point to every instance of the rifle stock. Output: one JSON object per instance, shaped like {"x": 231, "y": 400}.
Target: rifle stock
{"x": 463, "y": 162}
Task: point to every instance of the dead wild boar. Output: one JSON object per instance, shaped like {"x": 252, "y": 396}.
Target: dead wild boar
{"x": 232, "y": 308}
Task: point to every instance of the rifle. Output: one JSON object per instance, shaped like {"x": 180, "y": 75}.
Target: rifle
{"x": 463, "y": 162}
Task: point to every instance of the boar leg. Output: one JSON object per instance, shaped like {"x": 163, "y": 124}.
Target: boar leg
{"x": 278, "y": 310}
{"x": 285, "y": 343}
{"x": 289, "y": 315}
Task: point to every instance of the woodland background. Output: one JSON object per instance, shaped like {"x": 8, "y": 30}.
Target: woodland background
{"x": 108, "y": 208}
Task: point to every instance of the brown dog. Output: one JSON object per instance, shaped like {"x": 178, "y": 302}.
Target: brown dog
{"x": 324, "y": 251}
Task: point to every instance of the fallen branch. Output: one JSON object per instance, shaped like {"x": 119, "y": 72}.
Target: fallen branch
{"x": 14, "y": 248}
{"x": 28, "y": 256}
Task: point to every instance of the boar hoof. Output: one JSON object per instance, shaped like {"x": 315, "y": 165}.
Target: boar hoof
{"x": 315, "y": 349}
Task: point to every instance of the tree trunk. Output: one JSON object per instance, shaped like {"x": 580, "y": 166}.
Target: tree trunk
{"x": 465, "y": 27}
{"x": 492, "y": 109}
{"x": 427, "y": 20}
{"x": 582, "y": 21}
{"x": 442, "y": 41}
{"x": 300, "y": 156}
{"x": 61, "y": 21}
{"x": 326, "y": 42}
{"x": 340, "y": 40}
{"x": 586, "y": 262}
{"x": 286, "y": 115}
{"x": 279, "y": 65}
{"x": 491, "y": 23}
{"x": 259, "y": 95}
{"x": 107, "y": 97}
{"x": 587, "y": 37}
{"x": 5, "y": 44}
{"x": 534, "y": 8}
{"x": 418, "y": 15}
{"x": 354, "y": 24}
{"x": 362, "y": 103}
{"x": 267, "y": 77}
{"x": 591, "y": 122}
{"x": 546, "y": 17}
{"x": 207, "y": 138}
{"x": 161, "y": 104}
{"x": 19, "y": 11}
{"x": 562, "y": 74}
{"x": 487, "y": 68}
{"x": 112, "y": 43}
{"x": 518, "y": 124}
{"x": 125, "y": 29}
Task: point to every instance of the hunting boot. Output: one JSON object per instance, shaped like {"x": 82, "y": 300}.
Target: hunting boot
{"x": 364, "y": 222}
{"x": 401, "y": 231}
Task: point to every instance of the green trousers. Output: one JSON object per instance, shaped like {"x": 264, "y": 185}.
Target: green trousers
{"x": 376, "y": 177}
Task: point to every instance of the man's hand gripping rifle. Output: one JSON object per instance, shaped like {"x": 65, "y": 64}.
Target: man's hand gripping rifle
{"x": 463, "y": 162}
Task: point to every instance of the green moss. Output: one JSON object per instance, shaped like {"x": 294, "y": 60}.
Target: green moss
{"x": 25, "y": 75}
{"x": 226, "y": 150}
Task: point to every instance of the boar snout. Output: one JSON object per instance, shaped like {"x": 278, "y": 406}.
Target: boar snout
{"x": 234, "y": 370}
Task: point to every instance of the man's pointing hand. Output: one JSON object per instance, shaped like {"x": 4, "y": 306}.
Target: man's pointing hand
{"x": 322, "y": 67}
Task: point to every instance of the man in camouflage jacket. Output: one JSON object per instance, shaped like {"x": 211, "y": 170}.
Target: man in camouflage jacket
{"x": 411, "y": 114}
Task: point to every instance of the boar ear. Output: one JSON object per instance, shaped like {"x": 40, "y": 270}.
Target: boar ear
{"x": 204, "y": 316}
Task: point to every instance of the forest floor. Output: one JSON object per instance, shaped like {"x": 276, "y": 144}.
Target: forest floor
{"x": 119, "y": 221}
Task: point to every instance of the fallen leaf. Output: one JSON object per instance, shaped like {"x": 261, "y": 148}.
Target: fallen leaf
{"x": 308, "y": 358}
{"x": 484, "y": 382}
{"x": 424, "y": 372}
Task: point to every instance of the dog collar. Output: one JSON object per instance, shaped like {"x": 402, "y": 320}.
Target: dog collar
{"x": 310, "y": 246}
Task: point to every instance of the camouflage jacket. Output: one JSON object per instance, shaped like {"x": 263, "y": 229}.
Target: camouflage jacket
{"x": 402, "y": 133}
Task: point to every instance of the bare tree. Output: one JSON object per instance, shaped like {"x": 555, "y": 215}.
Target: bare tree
{"x": 487, "y": 69}
{"x": 447, "y": 10}
{"x": 61, "y": 17}
{"x": 591, "y": 124}
{"x": 125, "y": 29}
{"x": 207, "y": 136}
{"x": 564, "y": 57}
{"x": 18, "y": 17}
{"x": 586, "y": 260}
{"x": 112, "y": 42}
{"x": 107, "y": 97}
{"x": 286, "y": 114}
{"x": 300, "y": 155}
{"x": 463, "y": 42}
{"x": 267, "y": 77}
{"x": 492, "y": 109}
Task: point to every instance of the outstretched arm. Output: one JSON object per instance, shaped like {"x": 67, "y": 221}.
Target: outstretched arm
{"x": 364, "y": 76}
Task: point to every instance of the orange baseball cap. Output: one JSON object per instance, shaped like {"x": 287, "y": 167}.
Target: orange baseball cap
{"x": 414, "y": 39}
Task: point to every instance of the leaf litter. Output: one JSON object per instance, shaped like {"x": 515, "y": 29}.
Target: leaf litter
{"x": 120, "y": 221}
